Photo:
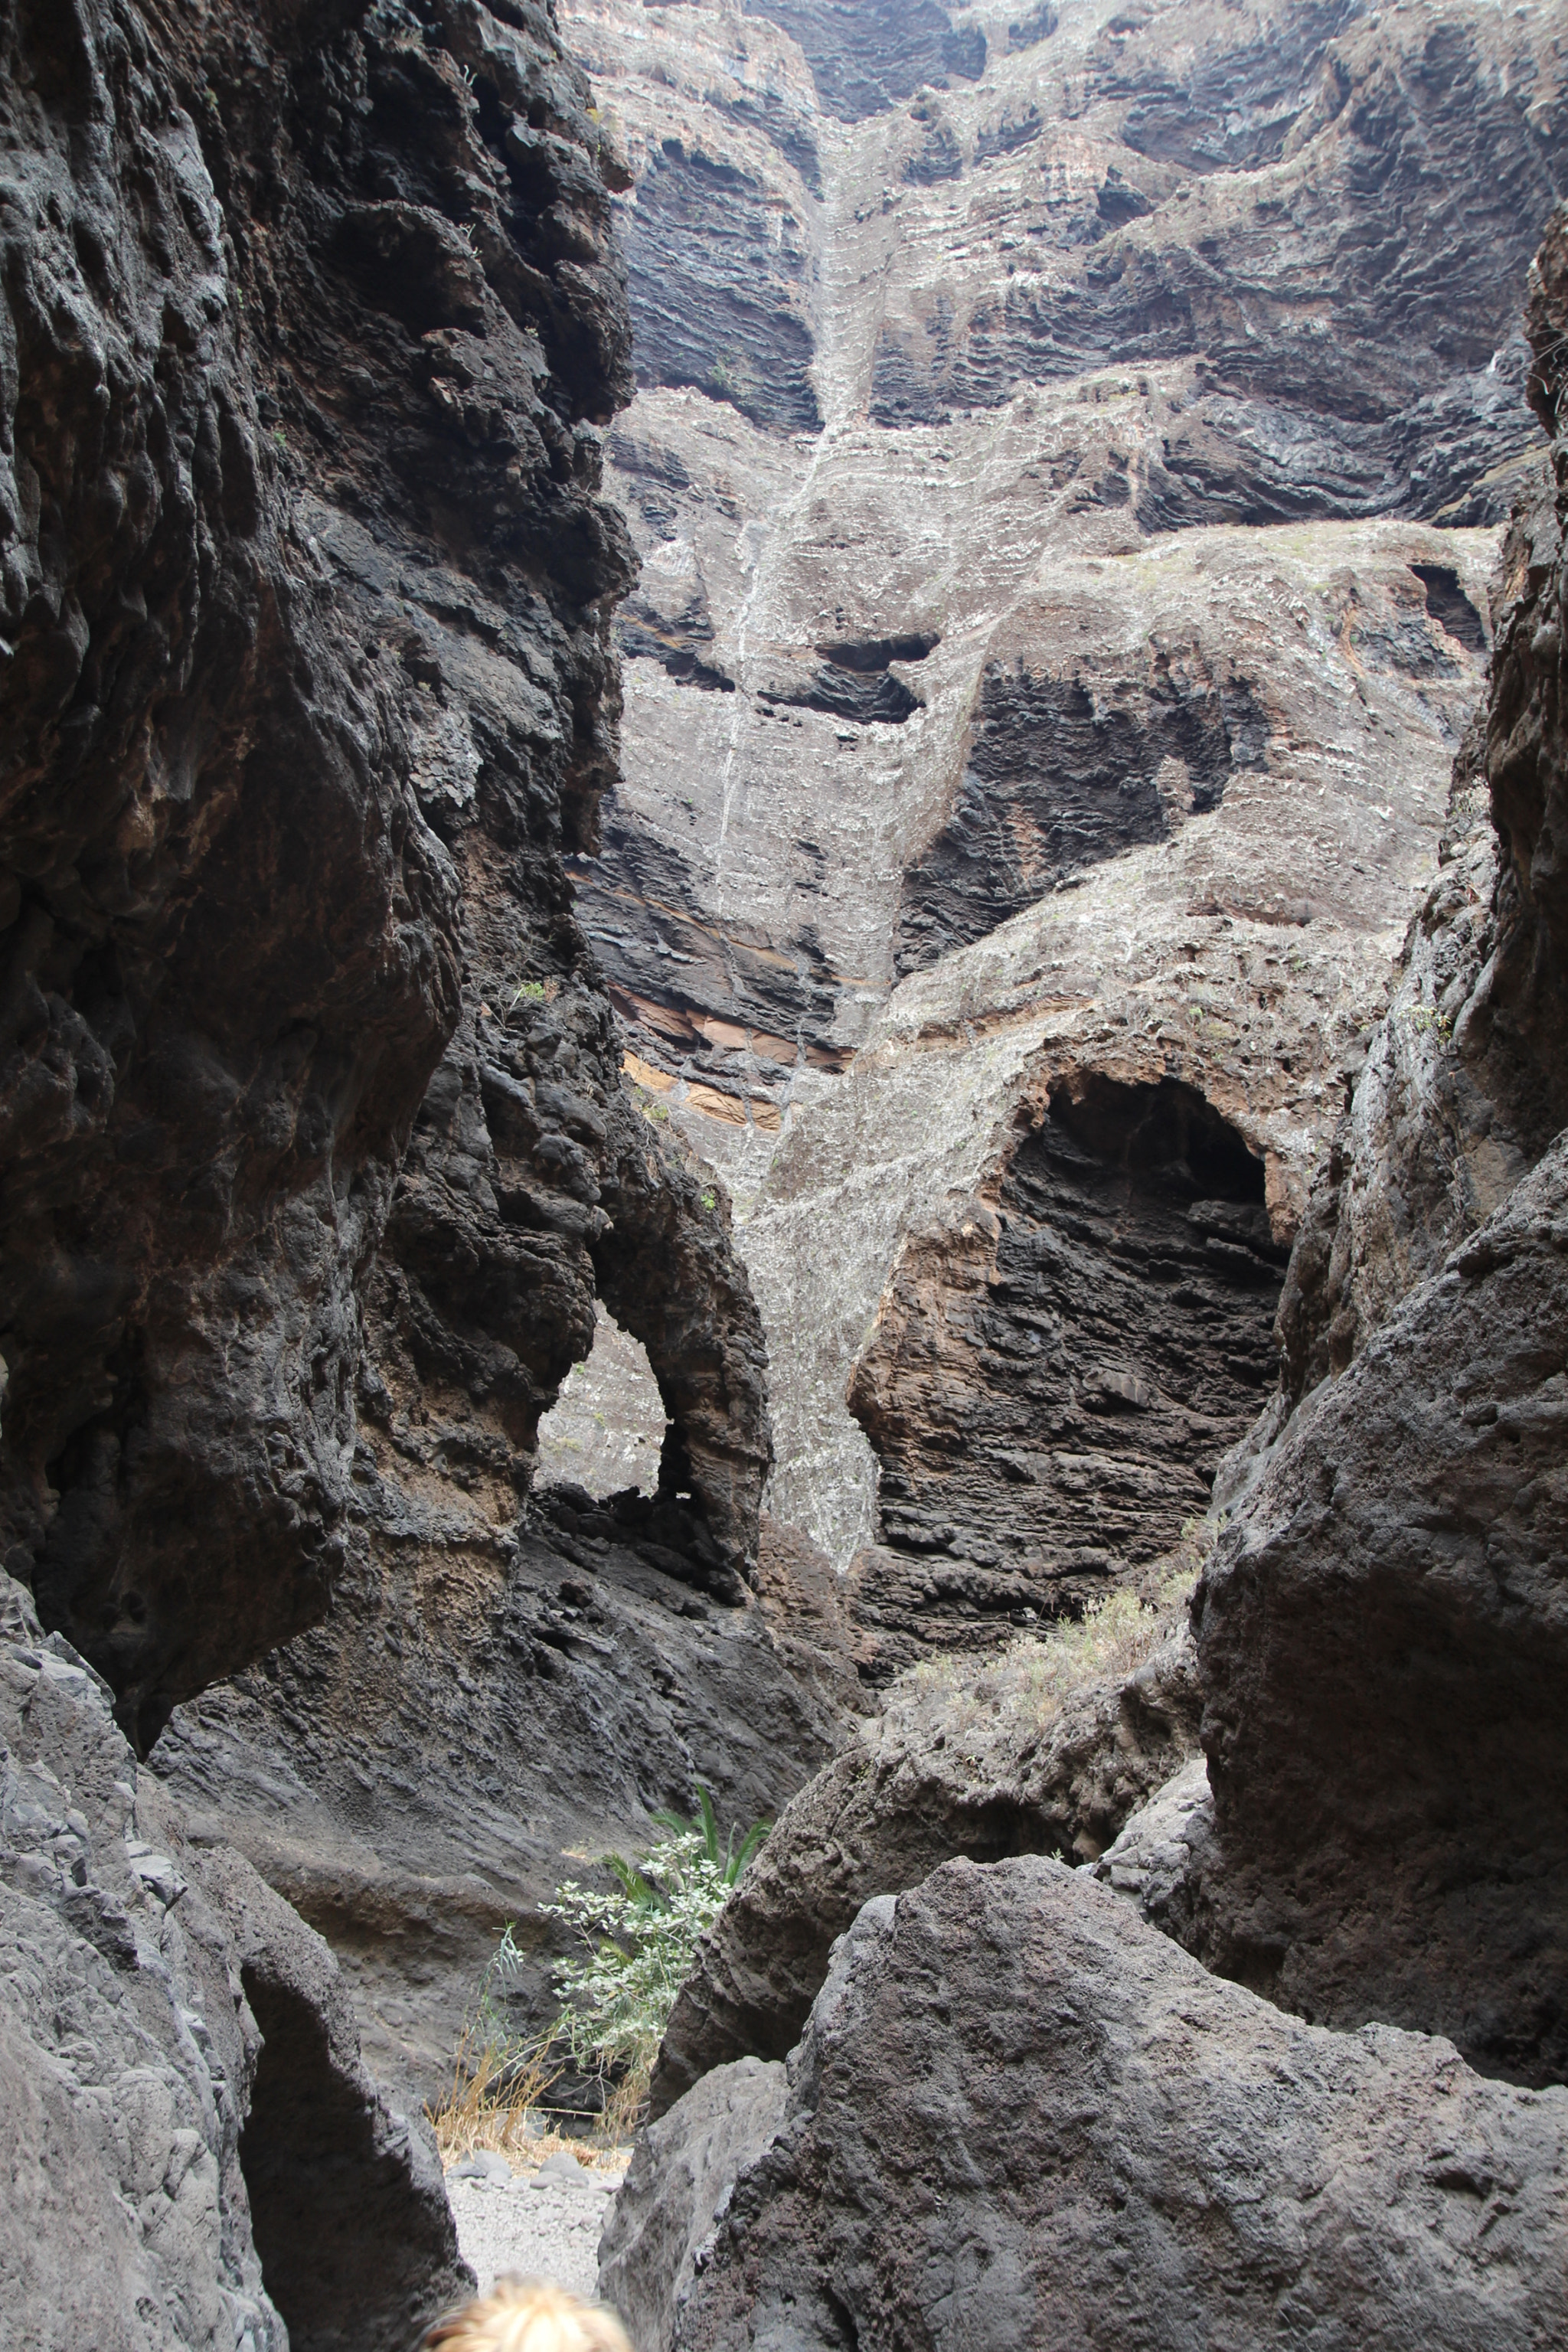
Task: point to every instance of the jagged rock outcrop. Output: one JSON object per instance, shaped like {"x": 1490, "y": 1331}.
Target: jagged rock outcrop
{"x": 412, "y": 1774}
{"x": 236, "y": 566}
{"x": 184, "y": 2091}
{"x": 1018, "y": 2114}
{"x": 1467, "y": 1082}
{"x": 1011, "y": 1761}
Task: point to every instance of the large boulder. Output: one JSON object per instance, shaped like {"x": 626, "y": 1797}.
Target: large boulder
{"x": 193, "y": 2153}
{"x": 1021, "y": 2116}
{"x": 1004, "y": 1763}
{"x": 682, "y": 2170}
{"x": 1382, "y": 1630}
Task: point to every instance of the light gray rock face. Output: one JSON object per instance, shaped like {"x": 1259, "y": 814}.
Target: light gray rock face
{"x": 984, "y": 1764}
{"x": 1466, "y": 1081}
{"x": 1154, "y": 1861}
{"x": 676, "y": 2188}
{"x": 1073, "y": 694}
{"x": 192, "y": 2151}
{"x": 1019, "y": 2115}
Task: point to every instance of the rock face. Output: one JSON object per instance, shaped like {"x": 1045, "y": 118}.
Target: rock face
{"x": 1065, "y": 519}
{"x": 1467, "y": 1082}
{"x": 184, "y": 2092}
{"x": 1380, "y": 1627}
{"x": 318, "y": 1154}
{"x": 414, "y": 1775}
{"x": 1047, "y": 1385}
{"x": 230, "y": 599}
{"x": 1383, "y": 1632}
{"x": 312, "y": 622}
{"x": 984, "y": 1766}
{"x": 1020, "y": 2116}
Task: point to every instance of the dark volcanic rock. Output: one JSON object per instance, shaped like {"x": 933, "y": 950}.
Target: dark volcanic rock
{"x": 1019, "y": 2115}
{"x": 150, "y": 2127}
{"x": 1467, "y": 1082}
{"x": 410, "y": 1773}
{"x": 868, "y": 54}
{"x": 1382, "y": 1628}
{"x": 681, "y": 2172}
{"x": 1048, "y": 1382}
{"x": 297, "y": 616}
{"x": 1343, "y": 370}
{"x": 1383, "y": 1644}
{"x": 986, "y": 1766}
{"x": 720, "y": 299}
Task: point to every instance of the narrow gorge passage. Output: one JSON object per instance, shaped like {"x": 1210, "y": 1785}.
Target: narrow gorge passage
{"x": 782, "y": 1184}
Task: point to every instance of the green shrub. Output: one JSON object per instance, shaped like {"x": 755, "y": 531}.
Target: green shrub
{"x": 639, "y": 1941}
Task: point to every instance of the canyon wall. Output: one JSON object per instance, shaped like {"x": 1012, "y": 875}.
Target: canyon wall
{"x": 317, "y": 1155}
{"x": 1015, "y": 2110}
{"x": 1067, "y": 463}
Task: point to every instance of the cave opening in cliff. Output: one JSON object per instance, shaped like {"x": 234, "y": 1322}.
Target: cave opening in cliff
{"x": 1048, "y": 1404}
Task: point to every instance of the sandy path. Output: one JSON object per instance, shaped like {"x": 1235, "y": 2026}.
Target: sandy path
{"x": 543, "y": 2223}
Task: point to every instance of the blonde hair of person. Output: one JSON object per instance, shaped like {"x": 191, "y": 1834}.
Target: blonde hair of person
{"x": 528, "y": 2316}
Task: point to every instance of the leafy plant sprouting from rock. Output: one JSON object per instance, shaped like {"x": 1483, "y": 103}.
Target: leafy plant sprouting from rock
{"x": 640, "y": 1938}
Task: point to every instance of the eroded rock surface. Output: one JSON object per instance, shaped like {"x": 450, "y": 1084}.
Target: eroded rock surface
{"x": 471, "y": 1728}
{"x": 681, "y": 2172}
{"x": 1382, "y": 1631}
{"x": 248, "y": 564}
{"x": 1095, "y": 658}
{"x": 1018, "y": 2114}
{"x": 1390, "y": 1588}
{"x": 987, "y": 1765}
{"x": 196, "y": 2156}
{"x": 318, "y": 1154}
{"x": 1466, "y": 1081}
{"x": 1049, "y": 1384}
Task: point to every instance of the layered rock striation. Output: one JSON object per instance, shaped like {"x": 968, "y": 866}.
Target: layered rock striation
{"x": 1083, "y": 670}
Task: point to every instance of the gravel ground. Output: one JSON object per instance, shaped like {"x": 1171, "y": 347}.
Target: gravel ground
{"x": 543, "y": 2225}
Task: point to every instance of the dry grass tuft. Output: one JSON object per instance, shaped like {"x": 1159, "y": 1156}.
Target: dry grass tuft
{"x": 496, "y": 2086}
{"x": 493, "y": 2103}
{"x": 984, "y": 1705}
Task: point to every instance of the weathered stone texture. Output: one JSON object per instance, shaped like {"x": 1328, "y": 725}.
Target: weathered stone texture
{"x": 1465, "y": 1082}
{"x": 1127, "y": 761}
{"x": 986, "y": 1765}
{"x": 1383, "y": 1634}
{"x": 409, "y": 1774}
{"x": 1020, "y": 2116}
{"x": 251, "y": 570}
{"x": 680, "y": 2173}
{"x": 149, "y": 2126}
{"x": 1049, "y": 1382}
